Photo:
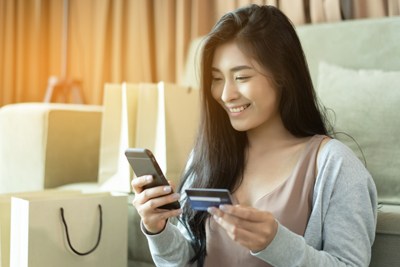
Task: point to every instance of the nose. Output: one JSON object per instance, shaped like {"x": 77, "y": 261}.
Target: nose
{"x": 230, "y": 92}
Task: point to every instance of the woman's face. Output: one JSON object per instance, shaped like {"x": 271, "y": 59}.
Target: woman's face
{"x": 240, "y": 85}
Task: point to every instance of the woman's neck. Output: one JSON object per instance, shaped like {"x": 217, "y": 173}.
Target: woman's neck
{"x": 271, "y": 137}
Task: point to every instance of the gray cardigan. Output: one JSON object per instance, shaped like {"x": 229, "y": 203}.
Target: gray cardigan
{"x": 340, "y": 232}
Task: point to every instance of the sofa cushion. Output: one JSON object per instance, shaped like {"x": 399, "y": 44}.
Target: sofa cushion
{"x": 364, "y": 105}
{"x": 385, "y": 251}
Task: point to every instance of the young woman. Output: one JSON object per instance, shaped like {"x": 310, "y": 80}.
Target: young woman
{"x": 304, "y": 198}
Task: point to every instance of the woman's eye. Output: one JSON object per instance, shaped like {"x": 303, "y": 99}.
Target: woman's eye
{"x": 216, "y": 79}
{"x": 242, "y": 78}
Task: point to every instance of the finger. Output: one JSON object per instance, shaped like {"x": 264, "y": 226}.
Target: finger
{"x": 139, "y": 182}
{"x": 226, "y": 221}
{"x": 161, "y": 214}
{"x": 228, "y": 217}
{"x": 152, "y": 193}
{"x": 156, "y": 203}
{"x": 244, "y": 212}
{"x": 236, "y": 233}
{"x": 249, "y": 239}
{"x": 155, "y": 222}
{"x": 172, "y": 184}
{"x": 247, "y": 218}
{"x": 150, "y": 209}
{"x": 147, "y": 194}
{"x": 254, "y": 236}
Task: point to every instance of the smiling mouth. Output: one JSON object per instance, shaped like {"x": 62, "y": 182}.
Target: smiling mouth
{"x": 238, "y": 109}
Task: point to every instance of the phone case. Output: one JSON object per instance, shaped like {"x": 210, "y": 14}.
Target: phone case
{"x": 143, "y": 162}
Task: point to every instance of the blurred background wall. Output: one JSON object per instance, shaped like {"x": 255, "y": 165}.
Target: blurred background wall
{"x": 91, "y": 42}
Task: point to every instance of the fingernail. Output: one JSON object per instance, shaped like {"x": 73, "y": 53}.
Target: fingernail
{"x": 211, "y": 210}
{"x": 176, "y": 196}
{"x": 216, "y": 218}
{"x": 167, "y": 189}
{"x": 149, "y": 178}
{"x": 223, "y": 207}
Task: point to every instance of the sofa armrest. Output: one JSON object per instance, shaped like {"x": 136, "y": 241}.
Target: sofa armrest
{"x": 48, "y": 145}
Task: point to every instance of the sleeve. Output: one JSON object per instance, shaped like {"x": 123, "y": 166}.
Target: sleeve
{"x": 341, "y": 229}
{"x": 171, "y": 247}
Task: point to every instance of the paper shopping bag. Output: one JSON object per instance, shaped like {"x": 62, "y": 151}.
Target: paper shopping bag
{"x": 167, "y": 120}
{"x": 117, "y": 133}
{"x": 5, "y": 217}
{"x": 69, "y": 230}
{"x": 159, "y": 116}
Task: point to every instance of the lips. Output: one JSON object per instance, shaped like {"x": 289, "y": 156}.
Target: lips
{"x": 237, "y": 109}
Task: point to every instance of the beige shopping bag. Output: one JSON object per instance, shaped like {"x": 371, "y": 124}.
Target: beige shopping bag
{"x": 69, "y": 230}
{"x": 167, "y": 120}
{"x": 159, "y": 116}
{"x": 5, "y": 217}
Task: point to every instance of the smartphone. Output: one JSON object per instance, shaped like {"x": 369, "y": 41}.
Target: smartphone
{"x": 143, "y": 162}
{"x": 203, "y": 198}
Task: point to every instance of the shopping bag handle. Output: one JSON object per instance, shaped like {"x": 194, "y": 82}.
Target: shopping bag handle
{"x": 69, "y": 241}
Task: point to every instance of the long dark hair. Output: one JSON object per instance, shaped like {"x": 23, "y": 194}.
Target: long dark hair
{"x": 265, "y": 34}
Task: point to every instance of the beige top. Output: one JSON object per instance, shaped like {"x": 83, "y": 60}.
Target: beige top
{"x": 290, "y": 203}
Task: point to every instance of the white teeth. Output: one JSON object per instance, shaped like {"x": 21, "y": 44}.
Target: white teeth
{"x": 238, "y": 109}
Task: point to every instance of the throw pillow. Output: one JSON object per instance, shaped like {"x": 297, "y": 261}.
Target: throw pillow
{"x": 365, "y": 105}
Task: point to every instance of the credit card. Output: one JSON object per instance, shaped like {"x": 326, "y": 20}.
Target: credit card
{"x": 203, "y": 198}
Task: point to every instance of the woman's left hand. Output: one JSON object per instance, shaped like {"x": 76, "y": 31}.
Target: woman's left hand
{"x": 251, "y": 228}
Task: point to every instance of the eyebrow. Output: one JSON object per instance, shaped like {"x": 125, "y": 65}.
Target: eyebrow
{"x": 234, "y": 69}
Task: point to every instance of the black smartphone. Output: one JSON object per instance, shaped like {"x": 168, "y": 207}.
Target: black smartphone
{"x": 143, "y": 162}
{"x": 203, "y": 198}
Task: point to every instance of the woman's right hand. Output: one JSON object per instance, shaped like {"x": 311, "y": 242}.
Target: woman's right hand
{"x": 148, "y": 201}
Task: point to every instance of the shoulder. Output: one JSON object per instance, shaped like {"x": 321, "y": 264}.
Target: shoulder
{"x": 338, "y": 166}
{"x": 335, "y": 152}
{"x": 341, "y": 174}
{"x": 343, "y": 182}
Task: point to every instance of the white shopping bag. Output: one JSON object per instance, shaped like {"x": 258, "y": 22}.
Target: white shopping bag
{"x": 69, "y": 230}
{"x": 5, "y": 217}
